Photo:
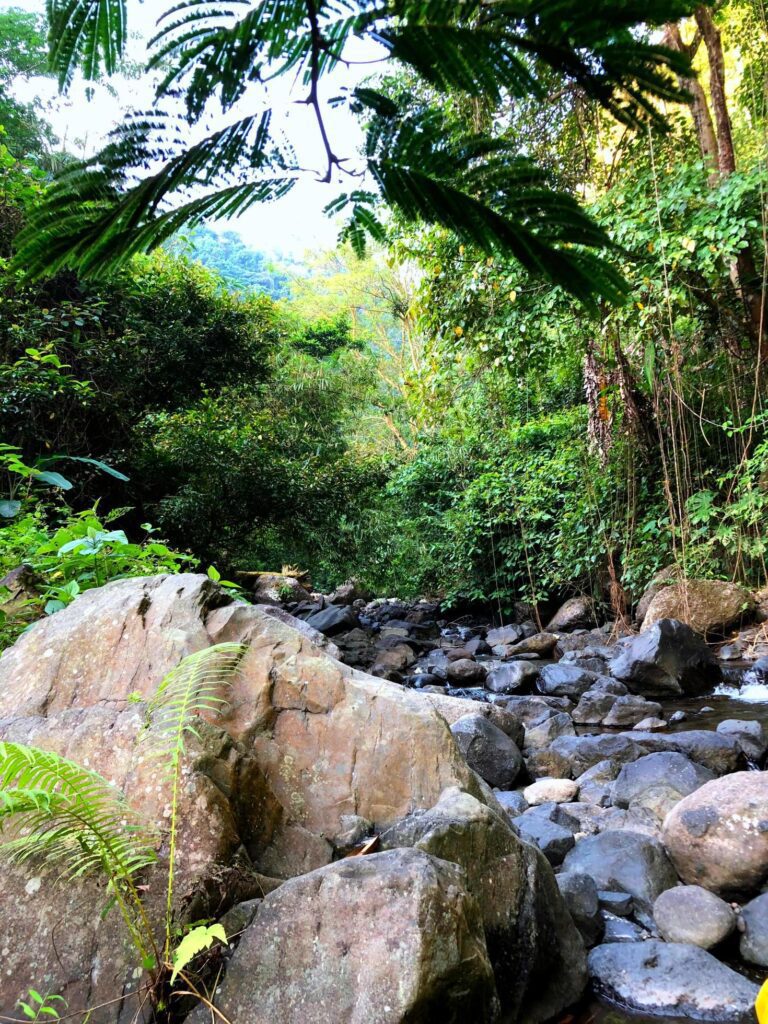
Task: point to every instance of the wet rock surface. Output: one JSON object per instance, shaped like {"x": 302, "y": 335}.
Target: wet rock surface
{"x": 672, "y": 980}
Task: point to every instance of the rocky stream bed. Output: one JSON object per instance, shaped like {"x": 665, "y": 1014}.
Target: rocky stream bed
{"x": 559, "y": 822}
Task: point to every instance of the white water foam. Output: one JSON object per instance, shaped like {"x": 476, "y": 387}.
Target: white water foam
{"x": 753, "y": 693}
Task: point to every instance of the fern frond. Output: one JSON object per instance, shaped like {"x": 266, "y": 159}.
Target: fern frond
{"x": 192, "y": 689}
{"x": 54, "y": 801}
{"x": 487, "y": 196}
{"x": 69, "y": 819}
{"x": 96, "y": 214}
{"x": 149, "y": 182}
{"x": 90, "y": 34}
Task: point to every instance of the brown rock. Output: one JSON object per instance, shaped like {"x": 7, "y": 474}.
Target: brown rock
{"x": 275, "y": 588}
{"x": 576, "y": 613}
{"x": 718, "y": 836}
{"x": 707, "y": 606}
{"x": 663, "y": 578}
{"x": 306, "y": 742}
{"x": 542, "y": 644}
{"x": 465, "y": 672}
{"x": 391, "y": 937}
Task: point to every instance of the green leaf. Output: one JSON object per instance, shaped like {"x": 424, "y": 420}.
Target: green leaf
{"x": 99, "y": 465}
{"x": 213, "y": 574}
{"x": 9, "y": 509}
{"x": 194, "y": 942}
{"x": 649, "y": 363}
{"x": 54, "y": 479}
{"x": 90, "y": 34}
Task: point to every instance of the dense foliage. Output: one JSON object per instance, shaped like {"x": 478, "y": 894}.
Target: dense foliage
{"x": 241, "y": 267}
{"x": 433, "y": 418}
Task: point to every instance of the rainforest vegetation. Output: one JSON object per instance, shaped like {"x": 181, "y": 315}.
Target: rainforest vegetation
{"x": 535, "y": 365}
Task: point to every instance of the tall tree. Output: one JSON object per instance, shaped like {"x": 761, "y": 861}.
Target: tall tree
{"x": 714, "y": 132}
{"x": 109, "y": 207}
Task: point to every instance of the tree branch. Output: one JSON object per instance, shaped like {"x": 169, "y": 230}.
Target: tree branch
{"x": 313, "y": 99}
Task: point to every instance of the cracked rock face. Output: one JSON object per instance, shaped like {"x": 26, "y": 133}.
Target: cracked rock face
{"x": 306, "y": 745}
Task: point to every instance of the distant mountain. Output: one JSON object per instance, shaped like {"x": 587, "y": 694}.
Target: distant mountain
{"x": 241, "y": 267}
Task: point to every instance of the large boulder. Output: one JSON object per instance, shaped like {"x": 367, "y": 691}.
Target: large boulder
{"x": 630, "y": 710}
{"x": 660, "y": 979}
{"x": 505, "y": 635}
{"x": 576, "y": 613}
{"x": 709, "y": 607}
{"x": 667, "y": 576}
{"x": 275, "y": 588}
{"x": 624, "y": 861}
{"x": 466, "y": 672}
{"x": 593, "y": 707}
{"x": 305, "y": 745}
{"x": 348, "y": 592}
{"x": 719, "y": 752}
{"x": 540, "y": 733}
{"x": 564, "y": 681}
{"x": 512, "y": 677}
{"x": 666, "y": 660}
{"x": 529, "y": 934}
{"x": 391, "y": 937}
{"x": 576, "y": 754}
{"x": 718, "y": 836}
{"x": 552, "y": 839}
{"x": 333, "y": 620}
{"x": 542, "y": 644}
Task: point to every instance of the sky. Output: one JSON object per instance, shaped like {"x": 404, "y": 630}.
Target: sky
{"x": 292, "y": 226}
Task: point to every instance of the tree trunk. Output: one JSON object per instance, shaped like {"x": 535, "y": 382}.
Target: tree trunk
{"x": 702, "y": 120}
{"x": 744, "y": 274}
{"x": 714, "y": 45}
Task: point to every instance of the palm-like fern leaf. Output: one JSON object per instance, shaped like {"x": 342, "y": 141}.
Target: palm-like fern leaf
{"x": 88, "y": 33}
{"x": 488, "y": 197}
{"x": 68, "y": 816}
{"x": 194, "y": 688}
{"x": 150, "y": 181}
{"x": 69, "y": 819}
{"x": 93, "y": 220}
